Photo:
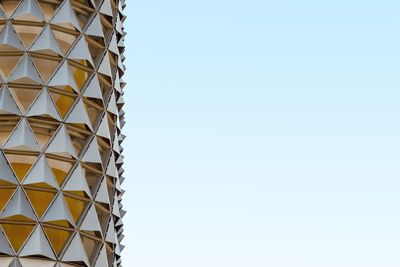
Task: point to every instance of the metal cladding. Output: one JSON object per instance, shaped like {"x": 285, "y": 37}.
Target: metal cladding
{"x": 61, "y": 98}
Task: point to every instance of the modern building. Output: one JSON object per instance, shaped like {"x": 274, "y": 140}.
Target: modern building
{"x": 61, "y": 98}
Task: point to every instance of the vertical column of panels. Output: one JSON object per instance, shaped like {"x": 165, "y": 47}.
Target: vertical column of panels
{"x": 61, "y": 98}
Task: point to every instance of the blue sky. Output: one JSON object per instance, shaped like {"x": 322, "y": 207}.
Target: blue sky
{"x": 262, "y": 133}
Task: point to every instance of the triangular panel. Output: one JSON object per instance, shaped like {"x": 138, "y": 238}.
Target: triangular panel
{"x": 44, "y": 105}
{"x": 29, "y": 9}
{"x": 7, "y": 102}
{"x": 61, "y": 143}
{"x": 41, "y": 173}
{"x": 9, "y": 37}
{"x": 58, "y": 211}
{"x": 66, "y": 14}
{"x": 79, "y": 115}
{"x": 76, "y": 252}
{"x": 46, "y": 41}
{"x": 22, "y": 138}
{"x": 77, "y": 181}
{"x": 37, "y": 244}
{"x": 63, "y": 77}
{"x": 18, "y": 206}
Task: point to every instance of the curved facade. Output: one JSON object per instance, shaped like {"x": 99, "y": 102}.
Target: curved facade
{"x": 61, "y": 98}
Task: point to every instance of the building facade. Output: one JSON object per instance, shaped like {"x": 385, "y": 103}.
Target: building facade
{"x": 61, "y": 98}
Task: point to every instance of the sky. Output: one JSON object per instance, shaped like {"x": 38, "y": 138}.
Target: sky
{"x": 262, "y": 133}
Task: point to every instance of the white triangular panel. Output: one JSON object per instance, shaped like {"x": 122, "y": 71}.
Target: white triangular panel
{"x": 79, "y": 115}
{"x": 102, "y": 260}
{"x": 118, "y": 24}
{"x": 110, "y": 236}
{"x": 93, "y": 89}
{"x": 37, "y": 244}
{"x": 28, "y": 7}
{"x": 58, "y": 211}
{"x": 44, "y": 105}
{"x": 22, "y": 137}
{"x": 119, "y": 222}
{"x": 46, "y": 40}
{"x": 76, "y": 252}
{"x": 41, "y": 173}
{"x": 118, "y": 184}
{"x": 120, "y": 160}
{"x": 103, "y": 129}
{"x": 91, "y": 221}
{"x": 61, "y": 143}
{"x": 116, "y": 144}
{"x": 8, "y": 36}
{"x": 121, "y": 100}
{"x": 121, "y": 43}
{"x": 92, "y": 153}
{"x": 5, "y": 246}
{"x": 104, "y": 67}
{"x": 15, "y": 263}
{"x": 81, "y": 51}
{"x": 115, "y": 210}
{"x": 112, "y": 105}
{"x": 120, "y": 64}
{"x": 106, "y": 8}
{"x": 66, "y": 14}
{"x": 25, "y": 69}
{"x": 111, "y": 168}
{"x": 18, "y": 205}
{"x": 7, "y": 102}
{"x": 113, "y": 47}
{"x": 77, "y": 181}
{"x": 6, "y": 173}
{"x": 2, "y": 13}
{"x": 117, "y": 83}
{"x": 95, "y": 27}
{"x": 63, "y": 77}
{"x": 117, "y": 249}
{"x": 102, "y": 193}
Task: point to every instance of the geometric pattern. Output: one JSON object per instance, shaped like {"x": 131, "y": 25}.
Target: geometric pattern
{"x": 61, "y": 99}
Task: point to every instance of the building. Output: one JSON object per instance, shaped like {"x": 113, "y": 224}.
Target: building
{"x": 61, "y": 99}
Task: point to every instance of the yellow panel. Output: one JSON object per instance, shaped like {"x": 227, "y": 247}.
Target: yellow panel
{"x": 63, "y": 223}
{"x": 59, "y": 174}
{"x": 20, "y": 218}
{"x": 5, "y": 195}
{"x": 63, "y": 102}
{"x": 2, "y": 182}
{"x": 17, "y": 234}
{"x": 41, "y": 185}
{"x": 75, "y": 206}
{"x": 80, "y": 75}
{"x": 57, "y": 238}
{"x": 40, "y": 200}
{"x": 21, "y": 169}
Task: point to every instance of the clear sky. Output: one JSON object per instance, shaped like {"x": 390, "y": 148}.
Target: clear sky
{"x": 262, "y": 133}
